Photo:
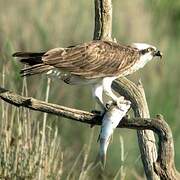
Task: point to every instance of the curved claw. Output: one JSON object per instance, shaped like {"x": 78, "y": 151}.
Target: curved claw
{"x": 109, "y": 104}
{"x": 96, "y": 112}
{"x": 121, "y": 101}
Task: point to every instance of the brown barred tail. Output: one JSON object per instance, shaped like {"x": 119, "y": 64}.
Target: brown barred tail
{"x": 35, "y": 69}
{"x": 34, "y": 62}
{"x": 29, "y": 57}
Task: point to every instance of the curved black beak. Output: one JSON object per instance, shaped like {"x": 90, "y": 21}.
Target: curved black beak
{"x": 158, "y": 53}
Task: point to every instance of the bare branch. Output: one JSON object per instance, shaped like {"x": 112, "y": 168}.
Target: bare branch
{"x": 37, "y": 105}
{"x": 103, "y": 19}
{"x": 135, "y": 93}
{"x": 103, "y": 30}
{"x": 161, "y": 163}
{"x": 164, "y": 166}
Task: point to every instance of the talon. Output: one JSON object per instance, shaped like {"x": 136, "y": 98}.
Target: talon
{"x": 121, "y": 98}
{"x": 121, "y": 101}
{"x": 96, "y": 112}
{"x": 128, "y": 102}
{"x": 99, "y": 113}
{"x": 109, "y": 104}
{"x": 127, "y": 116}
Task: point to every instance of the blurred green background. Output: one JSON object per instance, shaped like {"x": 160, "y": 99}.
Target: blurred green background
{"x": 39, "y": 25}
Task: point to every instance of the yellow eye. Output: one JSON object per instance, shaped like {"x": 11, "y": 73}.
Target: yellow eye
{"x": 149, "y": 49}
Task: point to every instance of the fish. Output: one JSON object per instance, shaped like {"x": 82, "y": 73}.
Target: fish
{"x": 110, "y": 121}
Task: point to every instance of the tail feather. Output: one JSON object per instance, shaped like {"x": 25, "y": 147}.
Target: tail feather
{"x": 34, "y": 62}
{"x": 29, "y": 58}
{"x": 28, "y": 54}
{"x": 35, "y": 69}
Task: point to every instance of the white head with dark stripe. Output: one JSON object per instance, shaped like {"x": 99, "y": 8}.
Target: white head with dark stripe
{"x": 147, "y": 52}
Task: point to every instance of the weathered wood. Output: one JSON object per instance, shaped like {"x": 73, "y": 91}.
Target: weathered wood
{"x": 164, "y": 166}
{"x": 103, "y": 19}
{"x": 161, "y": 163}
{"x": 146, "y": 139}
{"x": 103, "y": 30}
{"x": 42, "y": 106}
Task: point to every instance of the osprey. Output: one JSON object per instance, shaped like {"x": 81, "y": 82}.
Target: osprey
{"x": 97, "y": 62}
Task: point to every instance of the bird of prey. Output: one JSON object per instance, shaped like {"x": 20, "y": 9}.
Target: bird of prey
{"x": 97, "y": 62}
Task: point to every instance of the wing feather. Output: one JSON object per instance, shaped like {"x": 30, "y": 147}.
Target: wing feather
{"x": 92, "y": 60}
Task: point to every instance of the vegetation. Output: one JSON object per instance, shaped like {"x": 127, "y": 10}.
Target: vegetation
{"x": 37, "y": 146}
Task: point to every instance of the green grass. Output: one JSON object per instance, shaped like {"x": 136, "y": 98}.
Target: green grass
{"x": 40, "y": 25}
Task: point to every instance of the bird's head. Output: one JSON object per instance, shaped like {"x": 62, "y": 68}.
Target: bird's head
{"x": 147, "y": 51}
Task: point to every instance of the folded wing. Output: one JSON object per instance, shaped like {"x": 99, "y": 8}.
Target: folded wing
{"x": 88, "y": 60}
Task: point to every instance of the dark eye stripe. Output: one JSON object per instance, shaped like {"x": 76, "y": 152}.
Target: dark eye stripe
{"x": 150, "y": 49}
{"x": 144, "y": 51}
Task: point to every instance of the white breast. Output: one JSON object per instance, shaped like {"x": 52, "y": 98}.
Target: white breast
{"x": 139, "y": 64}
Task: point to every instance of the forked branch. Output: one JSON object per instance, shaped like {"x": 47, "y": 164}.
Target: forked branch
{"x": 164, "y": 166}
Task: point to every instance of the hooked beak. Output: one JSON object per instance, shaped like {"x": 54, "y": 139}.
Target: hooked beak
{"x": 158, "y": 53}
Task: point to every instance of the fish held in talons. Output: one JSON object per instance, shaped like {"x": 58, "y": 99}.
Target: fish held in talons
{"x": 110, "y": 121}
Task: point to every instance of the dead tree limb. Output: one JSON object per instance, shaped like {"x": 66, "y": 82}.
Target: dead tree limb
{"x": 164, "y": 166}
{"x": 135, "y": 93}
{"x": 103, "y": 19}
{"x": 103, "y": 30}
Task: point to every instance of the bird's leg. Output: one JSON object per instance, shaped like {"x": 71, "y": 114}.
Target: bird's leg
{"x": 107, "y": 88}
{"x": 108, "y": 91}
{"x": 97, "y": 92}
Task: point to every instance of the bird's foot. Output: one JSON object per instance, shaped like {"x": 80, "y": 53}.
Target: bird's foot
{"x": 120, "y": 102}
{"x": 127, "y": 116}
{"x": 109, "y": 104}
{"x": 96, "y": 112}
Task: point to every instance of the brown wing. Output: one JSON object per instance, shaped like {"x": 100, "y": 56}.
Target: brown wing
{"x": 92, "y": 60}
